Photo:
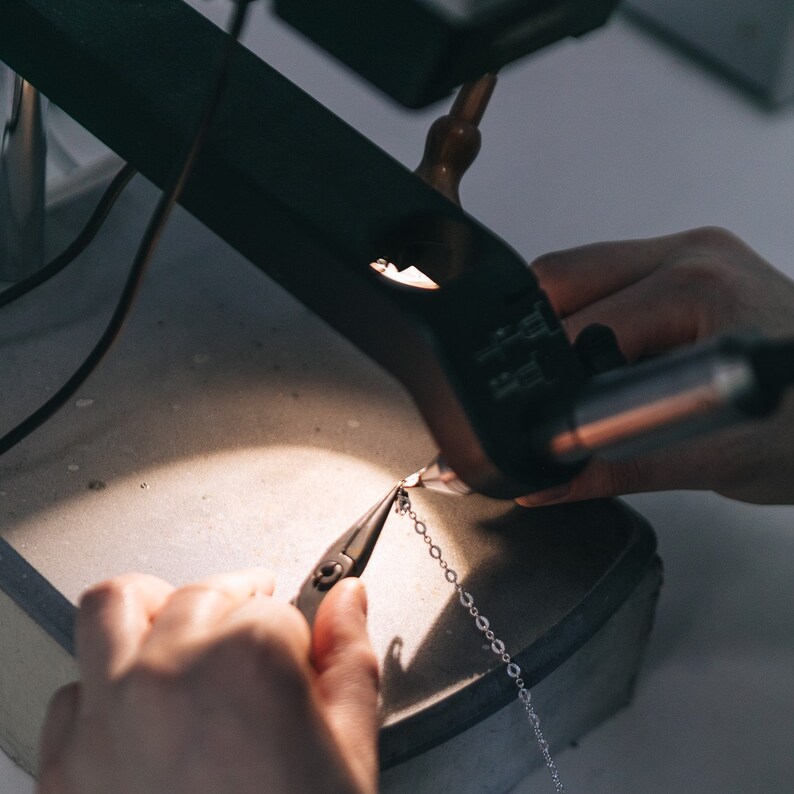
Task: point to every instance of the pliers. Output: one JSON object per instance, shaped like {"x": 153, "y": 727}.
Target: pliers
{"x": 347, "y": 556}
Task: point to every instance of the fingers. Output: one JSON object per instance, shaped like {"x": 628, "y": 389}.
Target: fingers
{"x": 686, "y": 464}
{"x": 655, "y": 294}
{"x": 650, "y": 316}
{"x": 113, "y": 619}
{"x": 576, "y": 278}
{"x": 59, "y": 724}
{"x": 598, "y": 479}
{"x": 117, "y": 618}
{"x": 192, "y": 610}
{"x": 273, "y": 625}
{"x": 348, "y": 673}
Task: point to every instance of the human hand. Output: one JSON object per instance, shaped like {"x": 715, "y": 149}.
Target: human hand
{"x": 659, "y": 294}
{"x": 214, "y": 687}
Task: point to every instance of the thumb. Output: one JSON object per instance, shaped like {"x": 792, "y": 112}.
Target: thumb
{"x": 347, "y": 672}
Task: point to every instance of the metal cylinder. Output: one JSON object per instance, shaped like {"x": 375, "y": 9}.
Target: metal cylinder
{"x": 641, "y": 408}
{"x": 23, "y": 151}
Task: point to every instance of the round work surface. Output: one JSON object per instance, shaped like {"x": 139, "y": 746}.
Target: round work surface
{"x": 229, "y": 428}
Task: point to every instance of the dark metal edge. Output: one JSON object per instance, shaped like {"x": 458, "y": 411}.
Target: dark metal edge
{"x": 32, "y": 593}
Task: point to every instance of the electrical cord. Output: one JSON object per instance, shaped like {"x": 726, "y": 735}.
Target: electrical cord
{"x": 78, "y": 245}
{"x": 147, "y": 245}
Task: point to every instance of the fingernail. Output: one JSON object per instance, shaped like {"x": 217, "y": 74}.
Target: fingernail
{"x": 548, "y": 496}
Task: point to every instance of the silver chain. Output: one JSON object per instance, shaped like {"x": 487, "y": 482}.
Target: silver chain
{"x": 404, "y": 508}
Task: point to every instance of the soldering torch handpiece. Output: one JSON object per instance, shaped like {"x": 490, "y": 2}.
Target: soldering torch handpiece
{"x": 643, "y": 407}
{"x": 639, "y": 408}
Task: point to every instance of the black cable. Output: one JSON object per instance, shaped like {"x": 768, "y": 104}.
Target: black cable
{"x": 147, "y": 246}
{"x": 78, "y": 245}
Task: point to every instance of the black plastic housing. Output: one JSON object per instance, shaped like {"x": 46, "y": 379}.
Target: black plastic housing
{"x": 417, "y": 51}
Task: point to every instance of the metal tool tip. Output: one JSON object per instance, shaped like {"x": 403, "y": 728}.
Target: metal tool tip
{"x": 413, "y": 480}
{"x": 438, "y": 476}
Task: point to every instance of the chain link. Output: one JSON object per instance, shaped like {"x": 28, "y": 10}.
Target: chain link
{"x": 404, "y": 508}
